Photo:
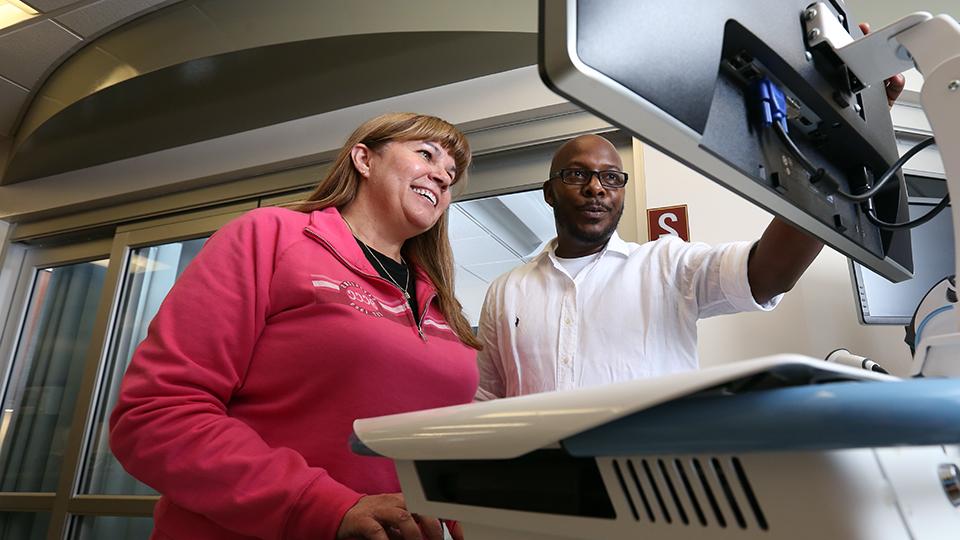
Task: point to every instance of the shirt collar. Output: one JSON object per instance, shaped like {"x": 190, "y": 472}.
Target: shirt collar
{"x": 617, "y": 245}
{"x": 614, "y": 245}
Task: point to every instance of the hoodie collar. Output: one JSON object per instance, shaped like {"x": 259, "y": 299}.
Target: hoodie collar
{"x": 330, "y": 225}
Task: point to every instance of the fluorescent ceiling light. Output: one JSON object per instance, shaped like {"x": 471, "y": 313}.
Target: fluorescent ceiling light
{"x": 14, "y": 11}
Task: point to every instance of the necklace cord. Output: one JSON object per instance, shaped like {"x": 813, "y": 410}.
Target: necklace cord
{"x": 406, "y": 283}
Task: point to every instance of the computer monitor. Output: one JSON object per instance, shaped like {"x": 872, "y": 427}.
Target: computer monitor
{"x": 881, "y": 302}
{"x": 680, "y": 76}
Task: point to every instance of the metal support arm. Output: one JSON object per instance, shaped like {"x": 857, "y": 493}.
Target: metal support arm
{"x": 932, "y": 44}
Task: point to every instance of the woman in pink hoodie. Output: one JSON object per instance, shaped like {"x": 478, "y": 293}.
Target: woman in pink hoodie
{"x": 288, "y": 326}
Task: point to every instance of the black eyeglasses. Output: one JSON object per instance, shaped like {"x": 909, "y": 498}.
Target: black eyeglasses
{"x": 580, "y": 177}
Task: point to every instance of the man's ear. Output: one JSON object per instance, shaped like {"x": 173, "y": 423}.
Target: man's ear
{"x": 548, "y": 192}
{"x": 360, "y": 154}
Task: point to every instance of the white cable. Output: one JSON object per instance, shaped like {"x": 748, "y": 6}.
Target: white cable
{"x": 846, "y": 358}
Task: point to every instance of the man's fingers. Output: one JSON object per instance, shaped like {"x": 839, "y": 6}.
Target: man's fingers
{"x": 894, "y": 86}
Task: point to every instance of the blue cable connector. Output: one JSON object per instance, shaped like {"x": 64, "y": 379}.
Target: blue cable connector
{"x": 773, "y": 103}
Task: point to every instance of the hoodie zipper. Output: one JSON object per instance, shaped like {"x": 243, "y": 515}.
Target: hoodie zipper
{"x": 419, "y": 323}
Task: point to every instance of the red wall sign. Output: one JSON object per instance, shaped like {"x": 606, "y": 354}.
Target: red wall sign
{"x": 668, "y": 220}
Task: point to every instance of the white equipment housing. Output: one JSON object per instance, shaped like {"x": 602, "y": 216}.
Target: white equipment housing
{"x": 784, "y": 447}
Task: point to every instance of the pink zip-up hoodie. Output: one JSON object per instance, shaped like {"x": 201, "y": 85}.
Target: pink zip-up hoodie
{"x": 238, "y": 405}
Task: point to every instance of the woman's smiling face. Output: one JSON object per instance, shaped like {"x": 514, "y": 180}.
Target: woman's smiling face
{"x": 410, "y": 182}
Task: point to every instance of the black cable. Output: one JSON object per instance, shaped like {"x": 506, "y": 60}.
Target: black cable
{"x": 869, "y": 194}
{"x": 908, "y": 224}
{"x": 816, "y": 173}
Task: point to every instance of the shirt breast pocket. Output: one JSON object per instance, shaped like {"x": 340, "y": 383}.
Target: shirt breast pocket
{"x": 534, "y": 346}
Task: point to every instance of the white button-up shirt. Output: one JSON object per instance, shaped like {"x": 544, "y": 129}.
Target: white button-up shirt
{"x": 631, "y": 313}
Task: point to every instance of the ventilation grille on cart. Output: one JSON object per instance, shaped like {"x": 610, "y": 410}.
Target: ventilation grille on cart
{"x": 707, "y": 491}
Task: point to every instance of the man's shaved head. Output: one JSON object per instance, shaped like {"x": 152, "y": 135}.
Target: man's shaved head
{"x": 584, "y": 143}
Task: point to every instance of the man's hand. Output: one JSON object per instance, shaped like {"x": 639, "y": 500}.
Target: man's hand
{"x": 385, "y": 517}
{"x": 893, "y": 85}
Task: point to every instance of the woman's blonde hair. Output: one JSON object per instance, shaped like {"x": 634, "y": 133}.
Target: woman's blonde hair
{"x": 429, "y": 250}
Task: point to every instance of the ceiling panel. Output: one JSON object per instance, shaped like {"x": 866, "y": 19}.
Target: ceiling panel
{"x": 216, "y": 96}
{"x": 462, "y": 227}
{"x": 12, "y": 98}
{"x": 470, "y": 292}
{"x": 101, "y": 69}
{"x": 185, "y": 31}
{"x": 536, "y": 214}
{"x": 511, "y": 227}
{"x": 46, "y": 6}
{"x": 480, "y": 250}
{"x": 140, "y": 49}
{"x": 41, "y": 105}
{"x": 27, "y": 53}
{"x": 248, "y": 20}
{"x": 93, "y": 18}
{"x": 490, "y": 271}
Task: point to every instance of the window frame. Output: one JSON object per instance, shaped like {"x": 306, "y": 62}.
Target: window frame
{"x": 70, "y": 510}
{"x": 28, "y": 262}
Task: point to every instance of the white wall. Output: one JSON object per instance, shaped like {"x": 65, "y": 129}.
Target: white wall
{"x": 819, "y": 315}
{"x": 880, "y": 13}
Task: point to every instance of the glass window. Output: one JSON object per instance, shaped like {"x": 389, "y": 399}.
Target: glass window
{"x": 150, "y": 273}
{"x": 113, "y": 527}
{"x": 493, "y": 235}
{"x": 24, "y": 525}
{"x": 45, "y": 376}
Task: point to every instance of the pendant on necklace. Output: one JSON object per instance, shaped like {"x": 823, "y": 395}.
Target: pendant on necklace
{"x": 406, "y": 295}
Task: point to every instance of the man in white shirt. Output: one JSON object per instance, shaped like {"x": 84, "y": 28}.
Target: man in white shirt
{"x": 592, "y": 309}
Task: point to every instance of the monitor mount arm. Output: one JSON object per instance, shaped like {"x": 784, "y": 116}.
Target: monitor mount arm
{"x": 932, "y": 45}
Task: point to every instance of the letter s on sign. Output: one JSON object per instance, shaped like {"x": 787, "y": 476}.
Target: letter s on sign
{"x": 664, "y": 218}
{"x": 668, "y": 221}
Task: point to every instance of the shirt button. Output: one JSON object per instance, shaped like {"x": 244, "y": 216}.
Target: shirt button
{"x": 567, "y": 321}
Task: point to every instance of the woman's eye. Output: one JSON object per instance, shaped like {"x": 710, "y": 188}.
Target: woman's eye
{"x": 426, "y": 154}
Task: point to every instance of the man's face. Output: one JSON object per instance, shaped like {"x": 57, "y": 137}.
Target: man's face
{"x": 586, "y": 215}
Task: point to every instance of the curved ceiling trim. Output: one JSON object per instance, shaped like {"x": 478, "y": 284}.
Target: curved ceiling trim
{"x": 288, "y": 144}
{"x": 234, "y": 92}
{"x": 31, "y": 50}
{"x": 193, "y": 29}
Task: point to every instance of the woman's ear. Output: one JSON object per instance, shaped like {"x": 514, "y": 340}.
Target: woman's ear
{"x": 360, "y": 154}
